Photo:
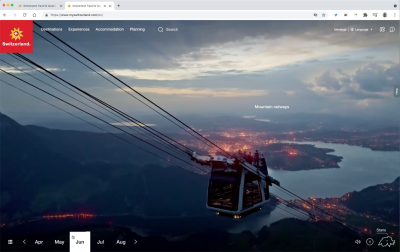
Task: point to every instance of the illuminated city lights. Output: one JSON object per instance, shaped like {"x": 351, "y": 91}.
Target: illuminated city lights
{"x": 63, "y": 216}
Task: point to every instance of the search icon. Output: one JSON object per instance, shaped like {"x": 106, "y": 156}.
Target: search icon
{"x": 160, "y": 29}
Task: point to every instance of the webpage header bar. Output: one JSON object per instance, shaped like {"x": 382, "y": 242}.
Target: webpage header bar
{"x": 201, "y": 15}
{"x": 207, "y": 5}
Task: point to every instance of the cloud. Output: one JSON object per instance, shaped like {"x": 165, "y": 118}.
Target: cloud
{"x": 263, "y": 120}
{"x": 53, "y": 69}
{"x": 289, "y": 92}
{"x": 246, "y": 47}
{"x": 200, "y": 55}
{"x": 293, "y": 50}
{"x": 14, "y": 70}
{"x": 339, "y": 70}
{"x": 249, "y": 117}
{"x": 217, "y": 92}
{"x": 310, "y": 61}
{"x": 376, "y": 77}
{"x": 10, "y": 70}
{"x": 238, "y": 59}
{"x": 371, "y": 81}
{"x": 328, "y": 81}
{"x": 154, "y": 74}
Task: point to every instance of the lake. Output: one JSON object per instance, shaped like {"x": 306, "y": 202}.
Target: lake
{"x": 360, "y": 168}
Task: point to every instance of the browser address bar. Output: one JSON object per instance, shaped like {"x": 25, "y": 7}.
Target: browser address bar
{"x": 186, "y": 15}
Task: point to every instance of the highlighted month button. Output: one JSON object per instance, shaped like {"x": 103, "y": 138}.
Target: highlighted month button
{"x": 79, "y": 241}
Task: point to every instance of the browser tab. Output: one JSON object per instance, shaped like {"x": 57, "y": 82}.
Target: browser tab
{"x": 89, "y": 6}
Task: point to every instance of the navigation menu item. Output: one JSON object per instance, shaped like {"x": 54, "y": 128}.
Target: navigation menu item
{"x": 38, "y": 242}
{"x": 120, "y": 242}
{"x": 79, "y": 241}
{"x": 59, "y": 242}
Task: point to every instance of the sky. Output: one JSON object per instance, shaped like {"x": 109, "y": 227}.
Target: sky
{"x": 218, "y": 68}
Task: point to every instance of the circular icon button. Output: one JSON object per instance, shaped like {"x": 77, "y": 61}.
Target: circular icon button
{"x": 369, "y": 241}
{"x": 160, "y": 29}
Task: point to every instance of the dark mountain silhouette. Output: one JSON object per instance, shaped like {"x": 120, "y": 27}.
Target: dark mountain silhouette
{"x": 56, "y": 171}
{"x": 89, "y": 147}
{"x": 379, "y": 200}
{"x": 27, "y": 165}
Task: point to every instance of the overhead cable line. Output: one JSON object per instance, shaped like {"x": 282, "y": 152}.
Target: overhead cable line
{"x": 132, "y": 121}
{"x": 109, "y": 80}
{"x": 101, "y": 120}
{"x": 94, "y": 98}
{"x": 96, "y": 73}
{"x": 114, "y": 119}
{"x": 138, "y": 93}
{"x": 320, "y": 209}
{"x": 114, "y": 135}
{"x": 276, "y": 200}
{"x": 187, "y": 126}
{"x": 323, "y": 224}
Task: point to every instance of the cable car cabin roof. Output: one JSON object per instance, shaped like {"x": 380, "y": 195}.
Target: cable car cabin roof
{"x": 214, "y": 158}
{"x": 222, "y": 164}
{"x": 201, "y": 159}
{"x": 219, "y": 158}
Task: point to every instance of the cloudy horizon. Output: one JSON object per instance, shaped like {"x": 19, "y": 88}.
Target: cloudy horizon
{"x": 220, "y": 67}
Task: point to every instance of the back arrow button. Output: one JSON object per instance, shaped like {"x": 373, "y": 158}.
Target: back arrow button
{"x": 24, "y": 241}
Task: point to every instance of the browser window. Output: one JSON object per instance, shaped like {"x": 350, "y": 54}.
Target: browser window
{"x": 199, "y": 125}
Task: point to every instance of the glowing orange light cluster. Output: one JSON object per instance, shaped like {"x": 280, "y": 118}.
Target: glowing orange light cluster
{"x": 63, "y": 216}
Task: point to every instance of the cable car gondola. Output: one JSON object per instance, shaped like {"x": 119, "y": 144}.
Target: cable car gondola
{"x": 236, "y": 188}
